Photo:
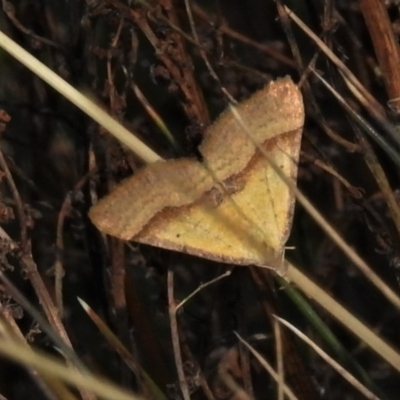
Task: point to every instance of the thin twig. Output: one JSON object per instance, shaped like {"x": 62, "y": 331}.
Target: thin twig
{"x": 9, "y": 10}
{"x": 58, "y": 266}
{"x": 201, "y": 287}
{"x": 175, "y": 337}
{"x": 386, "y": 47}
{"x": 269, "y": 50}
{"x": 18, "y": 201}
{"x": 279, "y": 357}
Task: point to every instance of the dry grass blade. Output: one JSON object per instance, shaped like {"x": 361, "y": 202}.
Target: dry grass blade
{"x": 343, "y": 316}
{"x": 48, "y": 385}
{"x": 77, "y": 98}
{"x": 150, "y": 388}
{"x": 373, "y": 104}
{"x": 346, "y": 375}
{"x": 13, "y": 350}
{"x": 267, "y": 367}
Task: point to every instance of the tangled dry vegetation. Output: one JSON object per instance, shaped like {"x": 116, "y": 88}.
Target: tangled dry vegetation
{"x": 164, "y": 70}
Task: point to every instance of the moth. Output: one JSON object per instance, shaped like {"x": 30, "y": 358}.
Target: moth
{"x": 232, "y": 207}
